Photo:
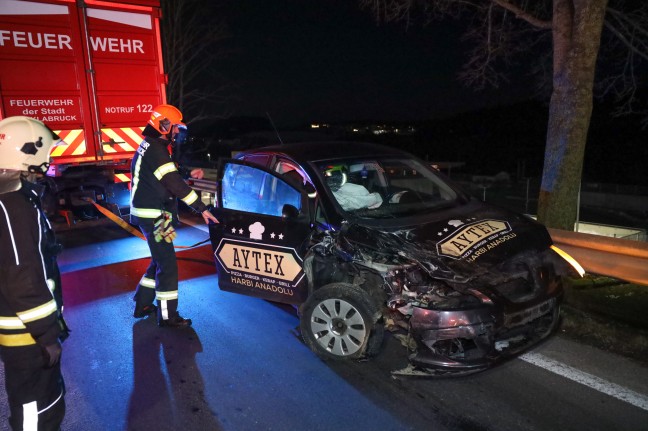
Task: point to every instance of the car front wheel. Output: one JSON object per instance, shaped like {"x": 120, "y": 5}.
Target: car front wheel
{"x": 338, "y": 321}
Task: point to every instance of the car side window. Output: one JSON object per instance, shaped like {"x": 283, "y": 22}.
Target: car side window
{"x": 249, "y": 189}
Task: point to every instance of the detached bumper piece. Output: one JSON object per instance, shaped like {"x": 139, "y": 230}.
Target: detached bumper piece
{"x": 468, "y": 341}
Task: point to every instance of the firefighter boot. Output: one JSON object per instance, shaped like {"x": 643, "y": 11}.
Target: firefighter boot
{"x": 175, "y": 322}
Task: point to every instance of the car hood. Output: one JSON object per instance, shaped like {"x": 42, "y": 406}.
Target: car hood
{"x": 457, "y": 244}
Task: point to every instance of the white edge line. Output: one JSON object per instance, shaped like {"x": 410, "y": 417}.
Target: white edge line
{"x": 589, "y": 380}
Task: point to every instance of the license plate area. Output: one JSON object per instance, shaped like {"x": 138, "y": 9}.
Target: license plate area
{"x": 529, "y": 314}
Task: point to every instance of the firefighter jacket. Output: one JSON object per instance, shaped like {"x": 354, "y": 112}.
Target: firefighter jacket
{"x": 31, "y": 300}
{"x": 156, "y": 183}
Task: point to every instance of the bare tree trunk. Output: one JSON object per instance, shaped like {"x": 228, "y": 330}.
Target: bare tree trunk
{"x": 577, "y": 31}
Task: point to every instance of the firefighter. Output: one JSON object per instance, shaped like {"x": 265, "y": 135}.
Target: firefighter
{"x": 156, "y": 186}
{"x": 31, "y": 302}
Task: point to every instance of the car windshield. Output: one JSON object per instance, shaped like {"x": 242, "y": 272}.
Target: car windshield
{"x": 385, "y": 187}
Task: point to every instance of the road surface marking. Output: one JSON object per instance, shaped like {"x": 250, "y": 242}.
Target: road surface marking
{"x": 601, "y": 385}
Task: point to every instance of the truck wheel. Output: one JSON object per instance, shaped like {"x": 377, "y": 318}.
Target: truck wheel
{"x": 338, "y": 321}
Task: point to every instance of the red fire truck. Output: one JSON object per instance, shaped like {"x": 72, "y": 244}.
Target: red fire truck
{"x": 92, "y": 71}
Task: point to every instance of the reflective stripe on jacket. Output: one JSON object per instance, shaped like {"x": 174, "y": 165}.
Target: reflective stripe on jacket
{"x": 156, "y": 183}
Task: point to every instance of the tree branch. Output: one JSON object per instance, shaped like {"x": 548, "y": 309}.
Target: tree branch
{"x": 192, "y": 46}
{"x": 523, "y": 15}
{"x": 625, "y": 40}
{"x": 629, "y": 27}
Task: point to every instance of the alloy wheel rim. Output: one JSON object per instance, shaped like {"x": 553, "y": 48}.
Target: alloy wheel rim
{"x": 338, "y": 327}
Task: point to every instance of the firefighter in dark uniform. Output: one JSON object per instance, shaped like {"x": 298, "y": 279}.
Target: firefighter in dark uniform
{"x": 156, "y": 186}
{"x": 31, "y": 302}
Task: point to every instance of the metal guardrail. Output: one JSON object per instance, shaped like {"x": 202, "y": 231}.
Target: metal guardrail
{"x": 204, "y": 184}
{"x": 613, "y": 257}
{"x": 206, "y": 188}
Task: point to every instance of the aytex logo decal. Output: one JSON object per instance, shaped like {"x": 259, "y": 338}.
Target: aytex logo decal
{"x": 270, "y": 262}
{"x": 470, "y": 236}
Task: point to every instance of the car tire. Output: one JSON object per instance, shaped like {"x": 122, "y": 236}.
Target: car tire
{"x": 339, "y": 322}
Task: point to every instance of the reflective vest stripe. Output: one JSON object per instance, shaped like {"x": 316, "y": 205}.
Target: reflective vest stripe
{"x": 166, "y": 296}
{"x": 15, "y": 340}
{"x": 52, "y": 404}
{"x": 11, "y": 323}
{"x": 148, "y": 212}
{"x": 38, "y": 312}
{"x": 163, "y": 309}
{"x": 147, "y": 282}
{"x": 30, "y": 416}
{"x": 164, "y": 169}
{"x": 135, "y": 179}
{"x": 190, "y": 198}
{"x": 145, "y": 212}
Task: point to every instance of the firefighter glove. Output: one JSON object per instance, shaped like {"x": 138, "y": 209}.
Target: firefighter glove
{"x": 52, "y": 354}
{"x": 164, "y": 230}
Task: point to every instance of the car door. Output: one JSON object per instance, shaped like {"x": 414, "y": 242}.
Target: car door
{"x": 264, "y": 229}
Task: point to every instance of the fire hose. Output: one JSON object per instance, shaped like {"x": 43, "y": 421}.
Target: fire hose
{"x": 131, "y": 229}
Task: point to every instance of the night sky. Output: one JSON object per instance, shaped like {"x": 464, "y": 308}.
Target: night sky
{"x": 330, "y": 62}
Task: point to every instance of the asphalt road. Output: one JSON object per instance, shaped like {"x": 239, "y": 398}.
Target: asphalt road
{"x": 242, "y": 367}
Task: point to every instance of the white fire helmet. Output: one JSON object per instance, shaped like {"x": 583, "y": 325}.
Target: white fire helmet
{"x": 25, "y": 144}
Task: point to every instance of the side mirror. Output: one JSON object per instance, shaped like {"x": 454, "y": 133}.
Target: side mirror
{"x": 289, "y": 212}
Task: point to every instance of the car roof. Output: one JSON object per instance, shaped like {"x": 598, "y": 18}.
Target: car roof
{"x": 303, "y": 152}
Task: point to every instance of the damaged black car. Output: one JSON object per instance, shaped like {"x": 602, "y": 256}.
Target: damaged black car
{"x": 364, "y": 238}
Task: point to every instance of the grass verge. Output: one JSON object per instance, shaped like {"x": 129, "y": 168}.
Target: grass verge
{"x": 609, "y": 314}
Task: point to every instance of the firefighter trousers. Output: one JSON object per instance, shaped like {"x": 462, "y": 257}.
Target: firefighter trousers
{"x": 36, "y": 395}
{"x": 160, "y": 282}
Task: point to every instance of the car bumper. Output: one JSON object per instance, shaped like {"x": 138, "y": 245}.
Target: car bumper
{"x": 473, "y": 340}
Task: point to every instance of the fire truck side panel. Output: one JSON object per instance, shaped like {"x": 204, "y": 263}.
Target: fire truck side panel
{"x": 92, "y": 71}
{"x": 42, "y": 73}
